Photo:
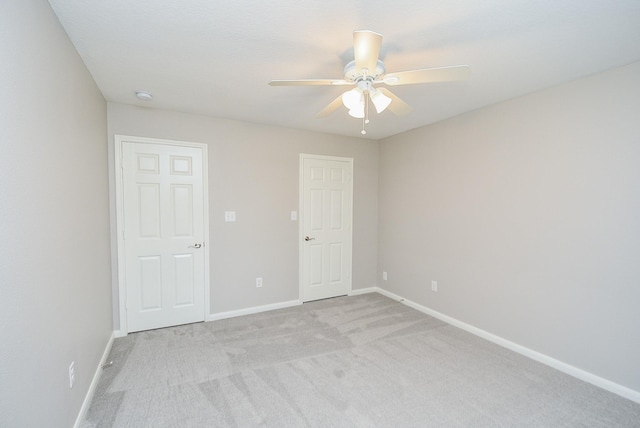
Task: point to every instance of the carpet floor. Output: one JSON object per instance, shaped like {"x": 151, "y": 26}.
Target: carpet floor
{"x": 360, "y": 361}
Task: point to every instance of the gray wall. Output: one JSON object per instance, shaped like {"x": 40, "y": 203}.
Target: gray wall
{"x": 253, "y": 170}
{"x": 55, "y": 278}
{"x": 527, "y": 214}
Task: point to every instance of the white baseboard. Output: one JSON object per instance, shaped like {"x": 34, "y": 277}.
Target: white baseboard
{"x": 119, "y": 333}
{"x": 253, "y": 310}
{"x": 591, "y": 378}
{"x": 94, "y": 383}
{"x": 359, "y": 291}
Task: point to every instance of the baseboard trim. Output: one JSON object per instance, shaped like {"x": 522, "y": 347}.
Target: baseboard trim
{"x": 359, "y": 291}
{"x": 591, "y": 378}
{"x": 94, "y": 382}
{"x": 119, "y": 333}
{"x": 253, "y": 310}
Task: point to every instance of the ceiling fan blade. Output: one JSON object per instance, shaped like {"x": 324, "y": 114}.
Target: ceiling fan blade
{"x": 428, "y": 75}
{"x": 366, "y": 49}
{"x": 333, "y": 106}
{"x": 309, "y": 82}
{"x": 397, "y": 106}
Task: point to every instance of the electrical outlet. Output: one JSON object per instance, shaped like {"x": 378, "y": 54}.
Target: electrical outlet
{"x": 72, "y": 374}
{"x": 229, "y": 216}
{"x": 434, "y": 285}
{"x": 258, "y": 282}
{"x": 384, "y": 276}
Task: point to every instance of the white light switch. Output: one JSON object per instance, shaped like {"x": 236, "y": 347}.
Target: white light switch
{"x": 294, "y": 215}
{"x": 229, "y": 216}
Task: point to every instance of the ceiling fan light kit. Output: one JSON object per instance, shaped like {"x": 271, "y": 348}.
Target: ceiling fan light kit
{"x": 367, "y": 70}
{"x": 356, "y": 98}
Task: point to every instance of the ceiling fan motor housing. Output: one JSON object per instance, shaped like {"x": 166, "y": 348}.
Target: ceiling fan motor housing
{"x": 352, "y": 75}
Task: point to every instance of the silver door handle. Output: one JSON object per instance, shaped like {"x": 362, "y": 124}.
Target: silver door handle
{"x": 195, "y": 246}
{"x": 306, "y": 238}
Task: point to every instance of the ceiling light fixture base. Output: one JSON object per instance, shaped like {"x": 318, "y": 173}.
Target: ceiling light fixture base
{"x": 144, "y": 95}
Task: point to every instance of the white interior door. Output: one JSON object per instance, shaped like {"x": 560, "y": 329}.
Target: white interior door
{"x": 163, "y": 210}
{"x": 326, "y": 226}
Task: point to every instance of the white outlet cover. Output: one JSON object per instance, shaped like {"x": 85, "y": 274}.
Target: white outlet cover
{"x": 294, "y": 215}
{"x": 384, "y": 276}
{"x": 229, "y": 216}
{"x": 434, "y": 285}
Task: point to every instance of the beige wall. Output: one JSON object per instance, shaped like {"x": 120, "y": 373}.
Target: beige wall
{"x": 253, "y": 170}
{"x": 55, "y": 278}
{"x": 527, "y": 214}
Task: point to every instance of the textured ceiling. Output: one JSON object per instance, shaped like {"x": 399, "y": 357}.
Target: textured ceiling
{"x": 216, "y": 57}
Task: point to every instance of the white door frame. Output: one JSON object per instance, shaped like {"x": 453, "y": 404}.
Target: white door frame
{"x": 301, "y": 234}
{"x": 122, "y": 286}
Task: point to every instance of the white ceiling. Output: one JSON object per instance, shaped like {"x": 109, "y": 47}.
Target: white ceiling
{"x": 216, "y": 57}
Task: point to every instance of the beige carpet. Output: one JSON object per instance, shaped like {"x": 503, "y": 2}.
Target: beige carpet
{"x": 362, "y": 361}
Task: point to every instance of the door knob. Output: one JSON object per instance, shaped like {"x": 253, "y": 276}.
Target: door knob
{"x": 306, "y": 238}
{"x": 196, "y": 246}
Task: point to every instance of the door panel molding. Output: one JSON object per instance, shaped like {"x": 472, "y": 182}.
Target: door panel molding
{"x": 179, "y": 166}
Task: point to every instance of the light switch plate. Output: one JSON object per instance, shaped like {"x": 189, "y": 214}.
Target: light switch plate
{"x": 294, "y": 215}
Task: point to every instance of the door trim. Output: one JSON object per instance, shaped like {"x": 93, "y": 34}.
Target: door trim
{"x": 119, "y": 190}
{"x": 304, "y": 156}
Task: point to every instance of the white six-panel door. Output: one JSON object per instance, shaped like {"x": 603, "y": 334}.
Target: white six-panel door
{"x": 326, "y": 226}
{"x": 163, "y": 234}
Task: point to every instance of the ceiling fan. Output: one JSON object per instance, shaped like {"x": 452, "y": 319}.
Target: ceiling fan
{"x": 366, "y": 71}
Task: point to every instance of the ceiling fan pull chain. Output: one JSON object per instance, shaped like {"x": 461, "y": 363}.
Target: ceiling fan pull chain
{"x": 365, "y": 118}
{"x": 366, "y": 107}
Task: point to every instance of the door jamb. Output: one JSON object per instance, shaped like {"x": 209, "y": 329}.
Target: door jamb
{"x": 119, "y": 191}
{"x": 304, "y": 156}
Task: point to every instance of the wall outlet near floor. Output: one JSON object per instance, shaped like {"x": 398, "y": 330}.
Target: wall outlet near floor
{"x": 258, "y": 282}
{"x": 72, "y": 374}
{"x": 384, "y": 276}
{"x": 434, "y": 285}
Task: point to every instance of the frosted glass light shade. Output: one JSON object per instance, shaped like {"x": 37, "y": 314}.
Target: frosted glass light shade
{"x": 353, "y": 99}
{"x": 357, "y": 112}
{"x": 379, "y": 100}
